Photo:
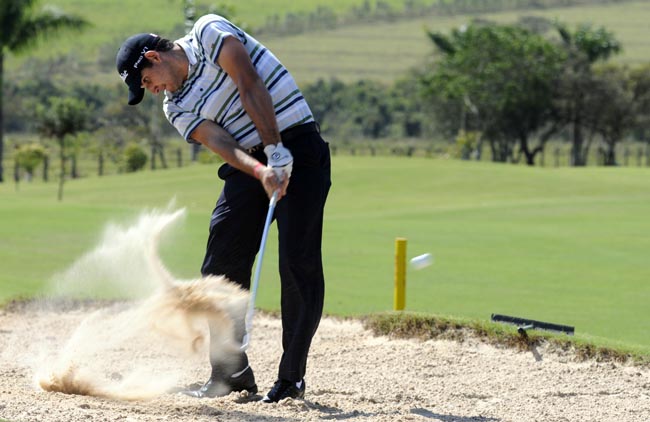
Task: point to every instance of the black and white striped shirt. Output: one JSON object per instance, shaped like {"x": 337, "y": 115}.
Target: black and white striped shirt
{"x": 210, "y": 94}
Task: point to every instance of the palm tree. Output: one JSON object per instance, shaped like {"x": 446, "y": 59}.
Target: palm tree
{"x": 22, "y": 27}
{"x": 585, "y": 47}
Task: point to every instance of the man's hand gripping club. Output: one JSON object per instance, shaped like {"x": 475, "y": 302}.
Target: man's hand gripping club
{"x": 275, "y": 176}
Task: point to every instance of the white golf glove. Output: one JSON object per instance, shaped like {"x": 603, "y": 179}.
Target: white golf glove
{"x": 279, "y": 159}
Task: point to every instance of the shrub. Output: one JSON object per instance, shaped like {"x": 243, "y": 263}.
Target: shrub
{"x": 466, "y": 143}
{"x": 134, "y": 158}
{"x": 30, "y": 156}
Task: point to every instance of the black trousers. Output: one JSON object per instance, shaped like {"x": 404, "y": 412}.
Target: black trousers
{"x": 236, "y": 231}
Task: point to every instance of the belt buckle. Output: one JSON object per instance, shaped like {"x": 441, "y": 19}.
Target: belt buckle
{"x": 254, "y": 149}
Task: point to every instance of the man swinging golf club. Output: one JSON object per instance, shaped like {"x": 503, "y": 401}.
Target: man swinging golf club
{"x": 225, "y": 90}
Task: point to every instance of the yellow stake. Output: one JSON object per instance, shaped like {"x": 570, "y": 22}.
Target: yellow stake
{"x": 400, "y": 274}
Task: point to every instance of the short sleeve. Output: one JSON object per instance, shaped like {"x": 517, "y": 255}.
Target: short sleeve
{"x": 211, "y": 31}
{"x": 184, "y": 121}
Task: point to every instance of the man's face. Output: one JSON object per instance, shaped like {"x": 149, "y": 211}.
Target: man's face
{"x": 159, "y": 77}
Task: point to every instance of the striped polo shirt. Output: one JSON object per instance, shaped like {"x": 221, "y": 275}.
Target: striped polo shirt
{"x": 210, "y": 94}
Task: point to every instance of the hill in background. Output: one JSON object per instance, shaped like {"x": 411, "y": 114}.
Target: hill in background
{"x": 382, "y": 49}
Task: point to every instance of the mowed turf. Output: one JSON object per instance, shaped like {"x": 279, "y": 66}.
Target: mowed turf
{"x": 565, "y": 245}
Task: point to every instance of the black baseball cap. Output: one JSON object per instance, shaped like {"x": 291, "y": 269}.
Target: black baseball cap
{"x": 128, "y": 60}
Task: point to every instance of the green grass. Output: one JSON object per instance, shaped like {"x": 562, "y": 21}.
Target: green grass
{"x": 560, "y": 245}
{"x": 110, "y": 23}
{"x": 381, "y": 51}
{"x": 384, "y": 51}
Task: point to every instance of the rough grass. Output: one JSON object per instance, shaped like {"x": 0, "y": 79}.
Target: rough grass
{"x": 426, "y": 327}
{"x": 384, "y": 51}
{"x": 381, "y": 50}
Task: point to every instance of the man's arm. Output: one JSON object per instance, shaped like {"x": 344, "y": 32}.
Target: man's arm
{"x": 255, "y": 97}
{"x": 218, "y": 140}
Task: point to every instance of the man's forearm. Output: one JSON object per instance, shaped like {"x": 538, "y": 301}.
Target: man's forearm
{"x": 219, "y": 141}
{"x": 258, "y": 104}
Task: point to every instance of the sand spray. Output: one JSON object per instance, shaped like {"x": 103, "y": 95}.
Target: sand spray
{"x": 163, "y": 324}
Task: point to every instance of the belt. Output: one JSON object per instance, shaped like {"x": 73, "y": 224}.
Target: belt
{"x": 256, "y": 148}
{"x": 294, "y": 132}
{"x": 290, "y": 134}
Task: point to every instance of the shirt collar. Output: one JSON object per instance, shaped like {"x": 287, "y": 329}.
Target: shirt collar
{"x": 186, "y": 44}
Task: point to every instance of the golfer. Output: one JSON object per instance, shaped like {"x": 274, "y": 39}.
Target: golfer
{"x": 226, "y": 91}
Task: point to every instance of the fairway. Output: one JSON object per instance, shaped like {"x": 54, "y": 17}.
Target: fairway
{"x": 564, "y": 245}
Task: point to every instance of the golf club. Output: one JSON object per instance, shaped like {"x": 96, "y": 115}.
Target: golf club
{"x": 258, "y": 269}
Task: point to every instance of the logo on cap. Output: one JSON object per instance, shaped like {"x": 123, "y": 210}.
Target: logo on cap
{"x": 142, "y": 53}
{"x": 129, "y": 60}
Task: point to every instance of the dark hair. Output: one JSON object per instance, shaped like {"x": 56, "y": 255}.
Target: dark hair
{"x": 162, "y": 45}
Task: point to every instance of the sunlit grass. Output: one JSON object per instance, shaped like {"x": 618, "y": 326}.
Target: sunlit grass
{"x": 562, "y": 245}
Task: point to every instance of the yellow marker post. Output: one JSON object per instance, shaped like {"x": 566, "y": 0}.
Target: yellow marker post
{"x": 400, "y": 274}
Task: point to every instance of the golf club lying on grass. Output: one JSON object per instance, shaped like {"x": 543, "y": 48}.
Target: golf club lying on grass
{"x": 258, "y": 269}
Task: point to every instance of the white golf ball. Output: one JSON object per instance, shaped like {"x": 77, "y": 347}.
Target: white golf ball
{"x": 422, "y": 261}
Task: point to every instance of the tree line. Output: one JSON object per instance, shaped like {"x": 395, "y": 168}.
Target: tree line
{"x": 517, "y": 89}
{"x": 510, "y": 88}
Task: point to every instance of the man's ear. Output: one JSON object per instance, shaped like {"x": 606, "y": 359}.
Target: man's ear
{"x": 152, "y": 56}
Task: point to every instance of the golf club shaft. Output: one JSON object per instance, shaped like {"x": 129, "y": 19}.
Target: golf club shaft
{"x": 258, "y": 269}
